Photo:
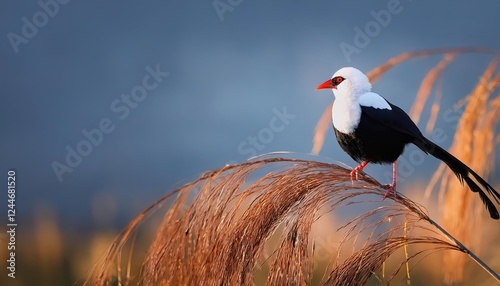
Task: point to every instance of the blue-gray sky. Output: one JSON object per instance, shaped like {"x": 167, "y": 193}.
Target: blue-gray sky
{"x": 232, "y": 66}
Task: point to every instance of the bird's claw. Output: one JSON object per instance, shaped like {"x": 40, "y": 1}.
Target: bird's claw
{"x": 392, "y": 187}
{"x": 355, "y": 172}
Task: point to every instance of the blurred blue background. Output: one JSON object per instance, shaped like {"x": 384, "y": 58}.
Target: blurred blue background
{"x": 232, "y": 66}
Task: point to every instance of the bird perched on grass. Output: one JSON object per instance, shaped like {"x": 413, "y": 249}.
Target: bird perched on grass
{"x": 372, "y": 130}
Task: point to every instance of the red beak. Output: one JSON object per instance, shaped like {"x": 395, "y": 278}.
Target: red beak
{"x": 326, "y": 84}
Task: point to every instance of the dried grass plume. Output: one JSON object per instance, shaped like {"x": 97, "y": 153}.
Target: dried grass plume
{"x": 216, "y": 229}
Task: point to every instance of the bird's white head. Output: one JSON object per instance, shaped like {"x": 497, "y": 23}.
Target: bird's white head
{"x": 347, "y": 82}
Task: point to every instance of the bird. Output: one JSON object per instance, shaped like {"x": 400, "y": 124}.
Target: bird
{"x": 370, "y": 129}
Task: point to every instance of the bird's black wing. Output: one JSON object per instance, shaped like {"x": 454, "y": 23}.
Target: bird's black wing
{"x": 394, "y": 118}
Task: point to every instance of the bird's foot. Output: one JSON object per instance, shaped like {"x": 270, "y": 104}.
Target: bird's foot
{"x": 355, "y": 171}
{"x": 392, "y": 187}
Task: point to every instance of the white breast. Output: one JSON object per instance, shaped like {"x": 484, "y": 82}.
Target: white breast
{"x": 346, "y": 111}
{"x": 345, "y": 115}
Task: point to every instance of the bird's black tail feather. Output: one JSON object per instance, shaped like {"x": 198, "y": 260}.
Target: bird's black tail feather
{"x": 464, "y": 173}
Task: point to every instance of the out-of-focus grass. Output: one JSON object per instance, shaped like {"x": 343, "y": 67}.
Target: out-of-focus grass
{"x": 474, "y": 144}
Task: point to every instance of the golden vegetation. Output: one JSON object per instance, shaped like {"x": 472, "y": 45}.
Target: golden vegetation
{"x": 473, "y": 144}
{"x": 219, "y": 237}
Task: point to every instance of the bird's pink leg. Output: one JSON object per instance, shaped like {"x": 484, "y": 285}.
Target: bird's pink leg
{"x": 393, "y": 185}
{"x": 356, "y": 170}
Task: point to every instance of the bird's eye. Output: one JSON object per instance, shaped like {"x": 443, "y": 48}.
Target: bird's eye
{"x": 336, "y": 80}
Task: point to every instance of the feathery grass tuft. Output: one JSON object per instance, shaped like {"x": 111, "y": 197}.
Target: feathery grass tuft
{"x": 217, "y": 228}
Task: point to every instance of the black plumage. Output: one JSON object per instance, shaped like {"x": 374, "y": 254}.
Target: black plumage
{"x": 389, "y": 144}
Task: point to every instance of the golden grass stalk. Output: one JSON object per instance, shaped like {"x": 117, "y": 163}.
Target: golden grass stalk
{"x": 218, "y": 236}
{"x": 322, "y": 126}
{"x": 434, "y": 109}
{"x": 405, "y": 247}
{"x": 427, "y": 85}
{"x": 377, "y": 72}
